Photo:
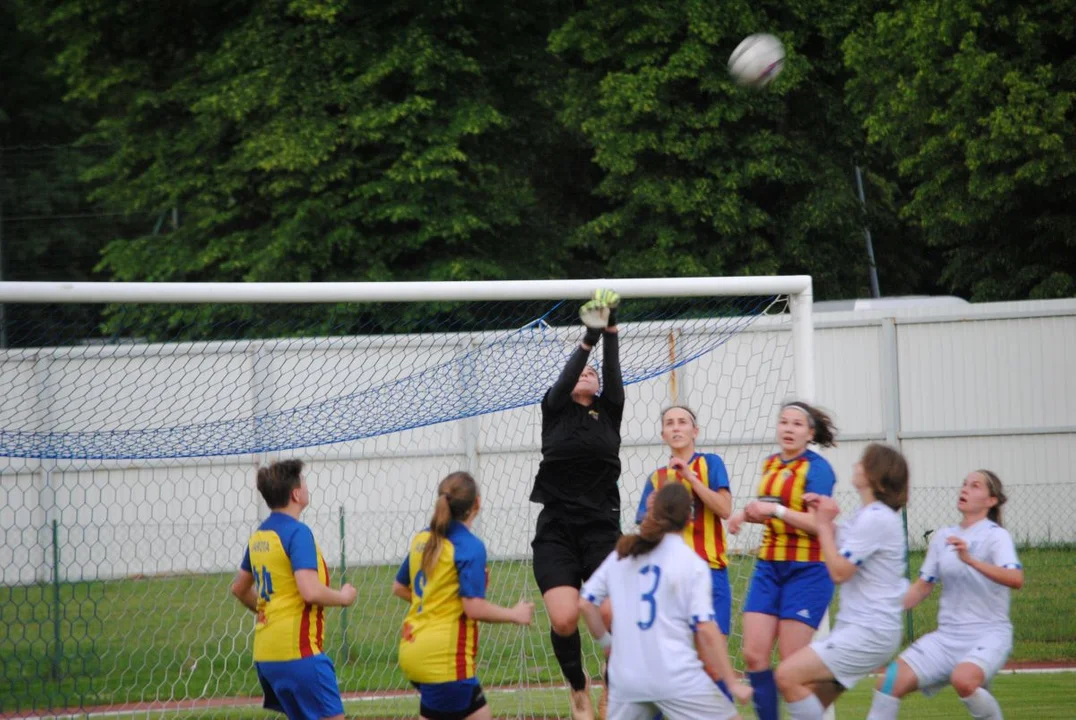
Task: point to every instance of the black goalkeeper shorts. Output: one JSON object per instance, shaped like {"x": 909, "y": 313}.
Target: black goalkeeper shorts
{"x": 568, "y": 549}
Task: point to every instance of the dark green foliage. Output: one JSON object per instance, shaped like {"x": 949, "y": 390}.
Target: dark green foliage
{"x": 975, "y": 101}
{"x": 320, "y": 140}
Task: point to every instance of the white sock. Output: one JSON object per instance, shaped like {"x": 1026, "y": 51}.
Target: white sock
{"x": 884, "y": 707}
{"x": 809, "y": 708}
{"x": 982, "y": 705}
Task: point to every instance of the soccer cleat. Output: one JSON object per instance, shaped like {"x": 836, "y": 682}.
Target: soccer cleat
{"x": 582, "y": 709}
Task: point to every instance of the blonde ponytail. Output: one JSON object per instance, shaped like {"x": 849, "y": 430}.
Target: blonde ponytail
{"x": 456, "y": 497}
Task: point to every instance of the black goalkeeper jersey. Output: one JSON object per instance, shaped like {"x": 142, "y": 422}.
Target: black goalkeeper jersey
{"x": 580, "y": 464}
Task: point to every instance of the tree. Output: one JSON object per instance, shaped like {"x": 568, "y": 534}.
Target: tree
{"x": 48, "y": 229}
{"x": 975, "y": 100}
{"x": 322, "y": 139}
{"x": 702, "y": 177}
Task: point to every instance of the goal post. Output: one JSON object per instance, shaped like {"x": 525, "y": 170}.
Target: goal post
{"x": 337, "y": 292}
{"x": 127, "y": 460}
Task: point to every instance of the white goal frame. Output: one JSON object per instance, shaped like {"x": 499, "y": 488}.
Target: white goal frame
{"x": 798, "y": 288}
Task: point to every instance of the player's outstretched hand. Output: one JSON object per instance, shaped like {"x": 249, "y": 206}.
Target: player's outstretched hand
{"x": 348, "y": 593}
{"x": 961, "y": 546}
{"x": 735, "y": 522}
{"x": 523, "y": 612}
{"x": 594, "y": 315}
{"x": 608, "y": 298}
{"x": 683, "y": 469}
{"x": 611, "y": 300}
{"x": 758, "y": 511}
{"x": 826, "y": 508}
{"x": 600, "y": 311}
{"x": 741, "y": 692}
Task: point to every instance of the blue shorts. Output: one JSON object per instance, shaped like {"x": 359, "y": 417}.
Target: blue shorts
{"x": 790, "y": 590}
{"x": 722, "y": 595}
{"x": 304, "y": 688}
{"x": 450, "y": 700}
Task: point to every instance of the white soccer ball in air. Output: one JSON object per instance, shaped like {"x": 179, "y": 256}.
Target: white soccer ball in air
{"x": 757, "y": 60}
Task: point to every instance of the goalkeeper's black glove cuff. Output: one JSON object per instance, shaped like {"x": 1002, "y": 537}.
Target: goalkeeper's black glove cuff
{"x": 592, "y": 336}
{"x": 612, "y": 318}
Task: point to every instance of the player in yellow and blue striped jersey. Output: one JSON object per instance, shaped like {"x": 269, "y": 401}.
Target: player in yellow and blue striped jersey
{"x": 444, "y": 579}
{"x": 790, "y": 587}
{"x": 284, "y": 580}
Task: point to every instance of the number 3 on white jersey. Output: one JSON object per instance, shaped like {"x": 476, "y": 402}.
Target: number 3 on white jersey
{"x": 651, "y": 609}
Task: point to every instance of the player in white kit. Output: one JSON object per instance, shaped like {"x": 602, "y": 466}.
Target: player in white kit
{"x": 976, "y": 564}
{"x": 866, "y": 556}
{"x": 669, "y": 650}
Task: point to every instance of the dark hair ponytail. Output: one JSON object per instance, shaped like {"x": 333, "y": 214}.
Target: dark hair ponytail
{"x": 825, "y": 432}
{"x": 275, "y": 482}
{"x": 670, "y": 513}
{"x": 993, "y": 484}
{"x": 456, "y": 495}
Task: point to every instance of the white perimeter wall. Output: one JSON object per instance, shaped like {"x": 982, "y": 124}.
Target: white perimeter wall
{"x": 987, "y": 386}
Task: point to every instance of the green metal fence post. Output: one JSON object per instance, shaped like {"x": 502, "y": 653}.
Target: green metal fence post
{"x": 909, "y": 622}
{"x": 58, "y": 643}
{"x": 345, "y": 644}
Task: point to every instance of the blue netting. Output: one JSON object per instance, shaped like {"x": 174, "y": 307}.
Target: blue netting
{"x": 99, "y": 413}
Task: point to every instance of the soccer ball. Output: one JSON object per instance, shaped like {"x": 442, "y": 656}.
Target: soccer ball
{"x": 757, "y": 60}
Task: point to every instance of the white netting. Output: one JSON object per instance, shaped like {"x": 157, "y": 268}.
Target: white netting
{"x": 128, "y": 490}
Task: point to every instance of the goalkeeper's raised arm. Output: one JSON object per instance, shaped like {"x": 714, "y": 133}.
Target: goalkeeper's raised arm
{"x": 577, "y": 484}
{"x": 612, "y": 377}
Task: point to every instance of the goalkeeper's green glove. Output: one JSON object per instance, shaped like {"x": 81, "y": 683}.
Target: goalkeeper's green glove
{"x": 595, "y": 316}
{"x": 611, "y": 300}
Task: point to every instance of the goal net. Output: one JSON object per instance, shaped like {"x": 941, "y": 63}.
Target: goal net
{"x": 129, "y": 445}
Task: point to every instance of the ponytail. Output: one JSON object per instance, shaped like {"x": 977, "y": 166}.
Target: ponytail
{"x": 993, "y": 484}
{"x": 670, "y": 513}
{"x": 825, "y": 432}
{"x": 456, "y": 497}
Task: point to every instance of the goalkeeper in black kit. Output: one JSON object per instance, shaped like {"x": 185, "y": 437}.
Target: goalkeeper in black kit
{"x": 577, "y": 485}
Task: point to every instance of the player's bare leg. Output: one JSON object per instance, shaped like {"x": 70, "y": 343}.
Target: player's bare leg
{"x": 798, "y": 677}
{"x": 968, "y": 680}
{"x": 603, "y": 699}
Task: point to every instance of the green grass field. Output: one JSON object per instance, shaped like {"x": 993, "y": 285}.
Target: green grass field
{"x": 185, "y": 637}
{"x": 1023, "y": 697}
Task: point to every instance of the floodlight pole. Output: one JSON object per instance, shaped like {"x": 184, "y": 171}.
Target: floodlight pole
{"x": 875, "y": 289}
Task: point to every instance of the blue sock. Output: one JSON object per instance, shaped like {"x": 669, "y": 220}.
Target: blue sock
{"x": 765, "y": 694}
{"x": 725, "y": 689}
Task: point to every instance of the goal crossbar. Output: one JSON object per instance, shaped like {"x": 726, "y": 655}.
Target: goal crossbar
{"x": 328, "y": 292}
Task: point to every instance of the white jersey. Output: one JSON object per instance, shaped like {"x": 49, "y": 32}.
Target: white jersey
{"x": 969, "y": 599}
{"x": 873, "y": 539}
{"x": 658, "y": 599}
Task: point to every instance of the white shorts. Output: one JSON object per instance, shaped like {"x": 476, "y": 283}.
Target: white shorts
{"x": 694, "y": 707}
{"x": 852, "y": 652}
{"x": 934, "y": 656}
